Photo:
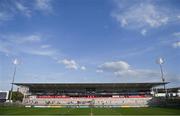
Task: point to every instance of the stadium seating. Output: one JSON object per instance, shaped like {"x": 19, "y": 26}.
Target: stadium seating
{"x": 84, "y": 101}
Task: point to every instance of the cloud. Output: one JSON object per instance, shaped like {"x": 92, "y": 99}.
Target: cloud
{"x": 124, "y": 22}
{"x": 28, "y": 39}
{"x": 33, "y": 38}
{"x": 114, "y": 66}
{"x": 138, "y": 51}
{"x": 177, "y": 34}
{"x": 123, "y": 69}
{"x": 4, "y": 16}
{"x": 142, "y": 15}
{"x": 143, "y": 32}
{"x": 14, "y": 44}
{"x": 137, "y": 73}
{"x": 21, "y": 39}
{"x": 69, "y": 64}
{"x": 83, "y": 68}
{"x": 178, "y": 16}
{"x": 176, "y": 44}
{"x": 10, "y": 9}
{"x": 99, "y": 71}
{"x": 45, "y": 46}
{"x": 44, "y": 5}
{"x": 4, "y": 48}
{"x": 23, "y": 9}
{"x": 40, "y": 52}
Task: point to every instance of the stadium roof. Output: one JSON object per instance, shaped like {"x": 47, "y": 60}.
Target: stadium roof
{"x": 91, "y": 85}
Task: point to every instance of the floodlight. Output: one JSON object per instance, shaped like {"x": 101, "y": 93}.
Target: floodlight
{"x": 160, "y": 60}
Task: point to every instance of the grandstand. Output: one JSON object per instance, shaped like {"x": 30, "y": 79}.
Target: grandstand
{"x": 87, "y": 94}
{"x": 172, "y": 92}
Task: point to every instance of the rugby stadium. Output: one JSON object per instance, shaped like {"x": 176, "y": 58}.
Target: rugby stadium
{"x": 93, "y": 99}
{"x": 87, "y": 94}
{"x": 90, "y": 57}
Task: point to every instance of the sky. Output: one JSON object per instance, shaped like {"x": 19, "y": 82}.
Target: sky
{"x": 89, "y": 41}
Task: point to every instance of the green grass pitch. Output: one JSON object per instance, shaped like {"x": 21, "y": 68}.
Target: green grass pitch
{"x": 88, "y": 111}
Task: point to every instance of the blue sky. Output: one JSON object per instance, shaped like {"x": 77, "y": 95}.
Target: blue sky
{"x": 89, "y": 40}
